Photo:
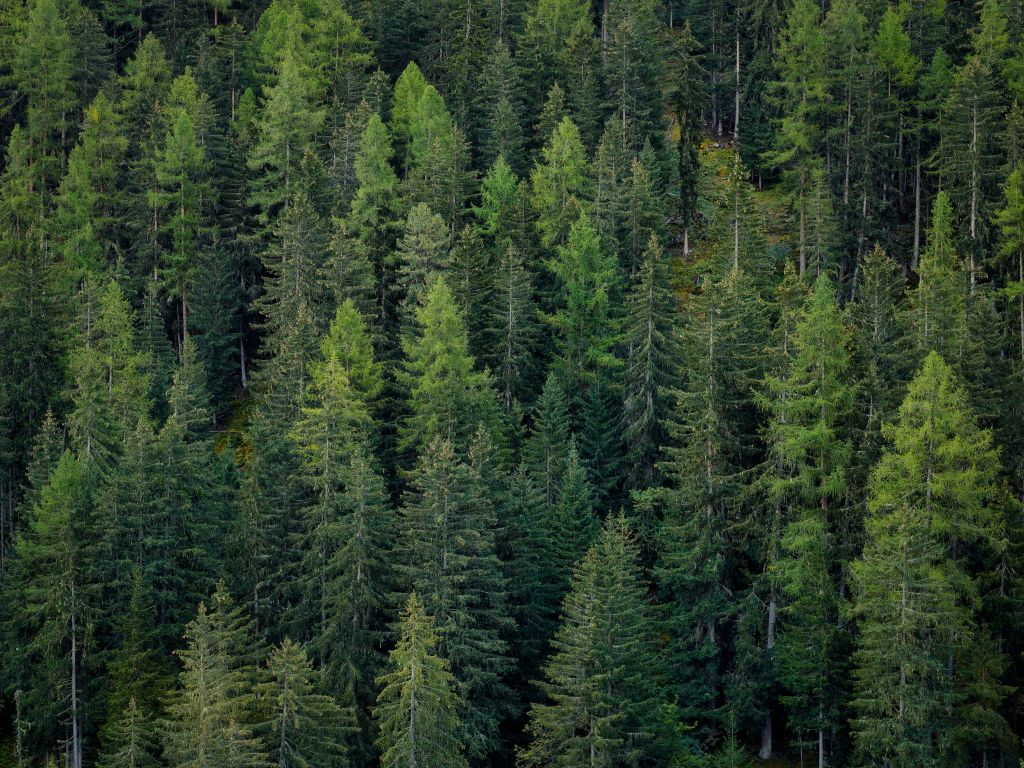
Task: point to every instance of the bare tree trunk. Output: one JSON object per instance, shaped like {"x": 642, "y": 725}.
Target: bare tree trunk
{"x": 736, "y": 118}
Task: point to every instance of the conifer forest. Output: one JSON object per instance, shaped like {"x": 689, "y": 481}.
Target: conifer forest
{"x": 511, "y": 383}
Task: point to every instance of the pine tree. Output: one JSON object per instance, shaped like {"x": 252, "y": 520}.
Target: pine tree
{"x": 422, "y": 256}
{"x": 136, "y": 671}
{"x": 291, "y": 304}
{"x": 209, "y": 715}
{"x": 548, "y": 27}
{"x": 513, "y": 330}
{"x": 939, "y": 303}
{"x": 302, "y": 728}
{"x": 86, "y": 222}
{"x": 652, "y": 366}
{"x": 288, "y": 127}
{"x": 573, "y": 521}
{"x": 183, "y": 194}
{"x": 535, "y": 591}
{"x": 409, "y": 88}
{"x": 109, "y": 386}
{"x": 547, "y": 446}
{"x": 602, "y": 684}
{"x": 42, "y": 70}
{"x": 712, "y": 438}
{"x": 370, "y": 222}
{"x": 191, "y": 501}
{"x": 633, "y": 61}
{"x": 929, "y": 513}
{"x": 359, "y": 576}
{"x": 499, "y": 107}
{"x": 334, "y": 429}
{"x": 417, "y": 706}
{"x": 448, "y": 555}
{"x": 439, "y": 172}
{"x": 808, "y": 446}
{"x": 801, "y": 61}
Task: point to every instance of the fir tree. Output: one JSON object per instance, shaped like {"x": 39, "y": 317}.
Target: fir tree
{"x": 652, "y": 364}
{"x": 449, "y": 556}
{"x": 547, "y": 446}
{"x": 52, "y": 587}
{"x": 602, "y": 684}
{"x": 209, "y": 715}
{"x": 417, "y": 706}
{"x": 301, "y": 727}
{"x": 586, "y": 319}
{"x": 132, "y": 742}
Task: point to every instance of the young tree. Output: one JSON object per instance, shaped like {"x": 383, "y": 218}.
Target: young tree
{"x": 547, "y": 446}
{"x": 560, "y": 185}
{"x": 287, "y": 129}
{"x": 417, "y": 706}
{"x": 132, "y": 742}
{"x": 447, "y": 397}
{"x": 301, "y": 728}
{"x": 586, "y": 319}
{"x": 210, "y": 714}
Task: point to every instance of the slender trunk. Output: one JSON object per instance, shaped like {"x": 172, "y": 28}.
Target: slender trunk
{"x": 76, "y": 735}
{"x": 736, "y": 118}
{"x": 916, "y": 255}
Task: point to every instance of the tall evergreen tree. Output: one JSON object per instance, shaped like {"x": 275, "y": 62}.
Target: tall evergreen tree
{"x": 930, "y": 508}
{"x": 449, "y": 556}
{"x": 417, "y": 706}
{"x": 300, "y": 726}
{"x": 209, "y": 715}
{"x": 602, "y": 685}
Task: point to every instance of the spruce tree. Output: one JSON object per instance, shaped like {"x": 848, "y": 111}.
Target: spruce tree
{"x": 810, "y": 450}
{"x": 711, "y": 443}
{"x": 54, "y": 598}
{"x": 417, "y": 707}
{"x": 547, "y": 446}
{"x": 602, "y": 684}
{"x": 801, "y": 63}
{"x": 652, "y": 366}
{"x": 132, "y": 742}
{"x": 500, "y": 111}
{"x": 586, "y": 319}
{"x": 301, "y": 728}
{"x": 448, "y": 555}
{"x": 210, "y": 714}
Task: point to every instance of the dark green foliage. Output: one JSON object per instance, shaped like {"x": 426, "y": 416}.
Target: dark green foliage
{"x": 355, "y": 306}
{"x": 602, "y": 686}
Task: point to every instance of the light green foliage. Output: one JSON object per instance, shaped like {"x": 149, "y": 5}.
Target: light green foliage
{"x": 417, "y": 706}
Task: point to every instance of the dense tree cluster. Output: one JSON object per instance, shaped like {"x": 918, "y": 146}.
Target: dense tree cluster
{"x": 535, "y": 382}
